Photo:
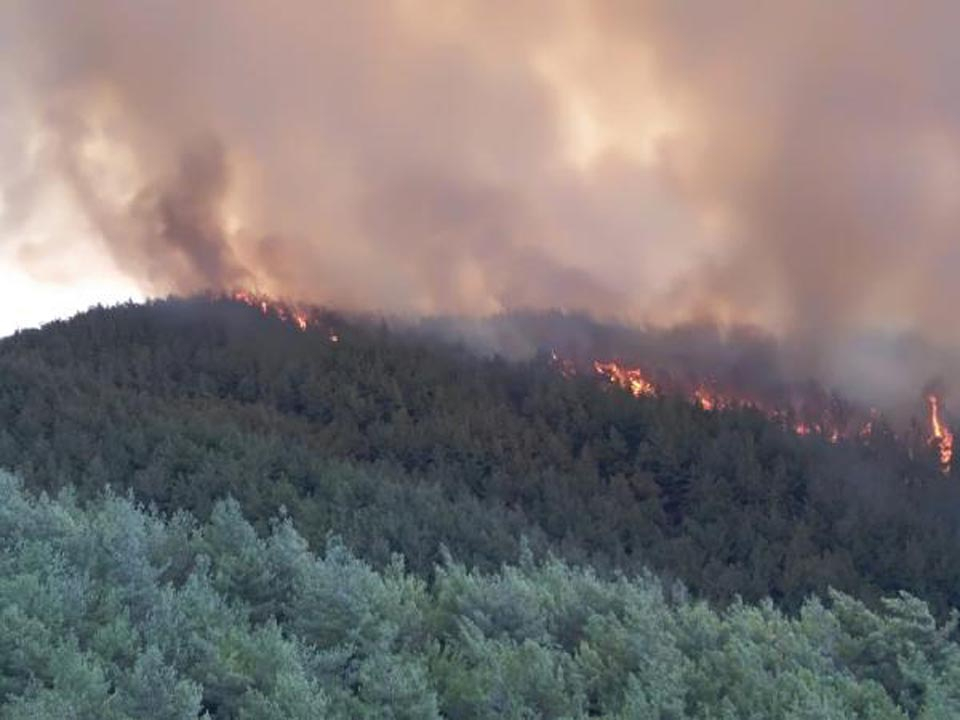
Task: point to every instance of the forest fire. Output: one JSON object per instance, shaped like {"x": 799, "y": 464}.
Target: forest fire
{"x": 940, "y": 434}
{"x": 639, "y": 384}
{"x": 302, "y": 318}
{"x": 812, "y": 422}
{"x": 706, "y": 399}
{"x": 807, "y": 412}
{"x": 634, "y": 380}
{"x": 630, "y": 378}
{"x": 268, "y": 306}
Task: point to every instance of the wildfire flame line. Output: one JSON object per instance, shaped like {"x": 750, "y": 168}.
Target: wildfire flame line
{"x": 640, "y": 385}
{"x": 302, "y": 318}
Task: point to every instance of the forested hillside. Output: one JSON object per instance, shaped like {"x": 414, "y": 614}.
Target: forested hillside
{"x": 109, "y": 612}
{"x": 403, "y": 444}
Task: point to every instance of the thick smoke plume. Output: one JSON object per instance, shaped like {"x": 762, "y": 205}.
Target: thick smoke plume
{"x": 794, "y": 165}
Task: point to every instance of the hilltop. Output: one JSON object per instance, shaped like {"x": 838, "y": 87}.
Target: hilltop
{"x": 405, "y": 443}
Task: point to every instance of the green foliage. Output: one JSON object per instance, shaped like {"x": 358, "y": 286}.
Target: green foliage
{"x": 402, "y": 444}
{"x": 108, "y": 610}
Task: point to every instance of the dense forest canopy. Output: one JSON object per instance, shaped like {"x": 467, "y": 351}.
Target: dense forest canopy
{"x": 636, "y": 404}
{"x": 110, "y": 612}
{"x": 401, "y": 443}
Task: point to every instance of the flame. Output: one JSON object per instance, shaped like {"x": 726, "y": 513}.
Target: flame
{"x": 303, "y": 318}
{"x": 709, "y": 400}
{"x": 704, "y": 398}
{"x": 705, "y": 395}
{"x": 816, "y": 415}
{"x": 639, "y": 385}
{"x": 631, "y": 379}
{"x": 268, "y": 306}
{"x": 940, "y": 434}
{"x": 826, "y": 430}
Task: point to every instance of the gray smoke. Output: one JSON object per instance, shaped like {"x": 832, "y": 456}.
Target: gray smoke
{"x": 793, "y": 165}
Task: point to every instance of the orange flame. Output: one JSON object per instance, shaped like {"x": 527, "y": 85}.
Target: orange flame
{"x": 709, "y": 398}
{"x": 822, "y": 422}
{"x": 629, "y": 378}
{"x": 284, "y": 311}
{"x": 940, "y": 433}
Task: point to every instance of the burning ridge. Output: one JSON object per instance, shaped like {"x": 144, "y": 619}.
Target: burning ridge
{"x": 303, "y": 317}
{"x": 804, "y": 408}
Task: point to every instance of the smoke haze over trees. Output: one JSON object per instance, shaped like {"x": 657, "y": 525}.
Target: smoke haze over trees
{"x": 402, "y": 444}
{"x": 554, "y": 358}
{"x": 355, "y": 521}
{"x": 791, "y": 165}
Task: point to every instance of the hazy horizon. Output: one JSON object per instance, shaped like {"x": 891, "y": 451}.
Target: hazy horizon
{"x": 792, "y": 166}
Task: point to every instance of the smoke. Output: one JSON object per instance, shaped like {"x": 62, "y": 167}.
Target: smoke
{"x": 793, "y": 165}
{"x": 832, "y": 146}
{"x": 181, "y": 218}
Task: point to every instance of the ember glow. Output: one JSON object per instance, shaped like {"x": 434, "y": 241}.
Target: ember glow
{"x": 667, "y": 160}
{"x": 630, "y": 378}
{"x": 300, "y": 316}
{"x": 654, "y": 163}
{"x": 268, "y": 306}
{"x": 804, "y": 414}
{"x": 940, "y": 435}
{"x": 639, "y": 383}
{"x": 706, "y": 399}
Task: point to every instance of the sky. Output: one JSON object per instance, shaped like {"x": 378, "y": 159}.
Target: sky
{"x": 76, "y": 276}
{"x": 790, "y": 165}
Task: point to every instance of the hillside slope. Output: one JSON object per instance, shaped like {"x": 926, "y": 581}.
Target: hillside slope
{"x": 403, "y": 444}
{"x": 113, "y": 613}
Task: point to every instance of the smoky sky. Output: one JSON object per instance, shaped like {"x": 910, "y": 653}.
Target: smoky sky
{"x": 794, "y": 165}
